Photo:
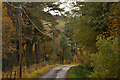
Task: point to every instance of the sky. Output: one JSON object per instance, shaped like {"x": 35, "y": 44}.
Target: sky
{"x": 66, "y": 5}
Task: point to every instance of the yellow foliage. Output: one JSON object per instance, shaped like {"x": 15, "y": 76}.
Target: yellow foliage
{"x": 79, "y": 53}
{"x": 67, "y": 61}
{"x": 25, "y": 47}
{"x": 83, "y": 56}
{"x": 27, "y": 22}
{"x": 37, "y": 73}
{"x": 33, "y": 47}
{"x": 78, "y": 48}
{"x": 8, "y": 31}
{"x": 64, "y": 61}
{"x": 75, "y": 60}
{"x": 84, "y": 53}
{"x": 52, "y": 57}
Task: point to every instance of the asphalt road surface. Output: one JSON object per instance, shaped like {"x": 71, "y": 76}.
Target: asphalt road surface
{"x": 56, "y": 73}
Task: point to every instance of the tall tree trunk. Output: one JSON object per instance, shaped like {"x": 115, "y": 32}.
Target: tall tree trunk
{"x": 37, "y": 52}
{"x": 63, "y": 57}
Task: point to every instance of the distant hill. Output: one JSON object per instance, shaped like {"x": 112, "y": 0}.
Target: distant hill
{"x": 60, "y": 25}
{"x": 60, "y": 18}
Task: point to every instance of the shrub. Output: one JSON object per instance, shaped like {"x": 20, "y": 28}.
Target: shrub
{"x": 105, "y": 61}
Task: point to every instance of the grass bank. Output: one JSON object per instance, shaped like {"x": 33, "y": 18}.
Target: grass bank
{"x": 80, "y": 71}
{"x": 39, "y": 72}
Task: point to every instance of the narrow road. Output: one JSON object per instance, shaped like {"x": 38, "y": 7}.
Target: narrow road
{"x": 57, "y": 72}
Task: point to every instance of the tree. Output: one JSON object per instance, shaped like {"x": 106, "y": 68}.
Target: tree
{"x": 33, "y": 32}
{"x": 88, "y": 22}
{"x": 105, "y": 61}
{"x": 9, "y": 34}
{"x": 66, "y": 54}
{"x": 75, "y": 59}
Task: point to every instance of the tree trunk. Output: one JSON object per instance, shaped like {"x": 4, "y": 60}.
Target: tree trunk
{"x": 37, "y": 52}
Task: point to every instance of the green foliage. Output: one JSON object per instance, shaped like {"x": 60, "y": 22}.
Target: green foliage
{"x": 83, "y": 34}
{"x": 68, "y": 31}
{"x": 88, "y": 22}
{"x": 105, "y": 61}
{"x": 63, "y": 41}
{"x": 96, "y": 14}
{"x": 80, "y": 71}
{"x": 65, "y": 46}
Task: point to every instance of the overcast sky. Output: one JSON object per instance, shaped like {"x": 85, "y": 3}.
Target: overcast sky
{"x": 66, "y": 5}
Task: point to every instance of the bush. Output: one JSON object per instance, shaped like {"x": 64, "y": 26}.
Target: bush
{"x": 105, "y": 61}
{"x": 80, "y": 71}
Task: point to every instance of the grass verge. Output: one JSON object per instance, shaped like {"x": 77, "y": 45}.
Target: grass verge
{"x": 80, "y": 71}
{"x": 39, "y": 72}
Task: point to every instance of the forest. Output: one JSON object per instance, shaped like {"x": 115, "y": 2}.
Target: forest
{"x": 40, "y": 34}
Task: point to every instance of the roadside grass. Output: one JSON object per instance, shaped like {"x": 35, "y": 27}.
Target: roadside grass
{"x": 80, "y": 71}
{"x": 39, "y": 72}
{"x": 33, "y": 71}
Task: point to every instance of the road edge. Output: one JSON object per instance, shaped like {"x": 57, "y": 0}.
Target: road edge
{"x": 68, "y": 72}
{"x": 49, "y": 70}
